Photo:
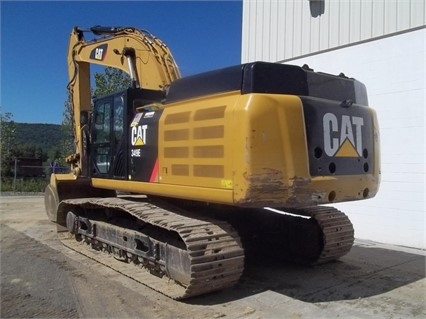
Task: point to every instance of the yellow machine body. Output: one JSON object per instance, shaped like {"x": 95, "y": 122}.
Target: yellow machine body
{"x": 244, "y": 150}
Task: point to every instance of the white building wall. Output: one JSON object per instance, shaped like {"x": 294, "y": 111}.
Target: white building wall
{"x": 275, "y": 30}
{"x": 388, "y": 54}
{"x": 393, "y": 70}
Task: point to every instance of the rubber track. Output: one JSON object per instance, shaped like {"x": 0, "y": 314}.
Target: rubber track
{"x": 215, "y": 251}
{"x": 337, "y": 231}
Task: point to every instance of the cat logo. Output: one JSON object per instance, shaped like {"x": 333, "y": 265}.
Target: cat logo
{"x": 342, "y": 138}
{"x": 99, "y": 53}
{"x": 139, "y": 135}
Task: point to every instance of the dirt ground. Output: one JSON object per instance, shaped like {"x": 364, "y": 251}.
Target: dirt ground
{"x": 41, "y": 278}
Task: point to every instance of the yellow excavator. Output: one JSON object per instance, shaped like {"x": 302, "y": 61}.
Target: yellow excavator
{"x": 175, "y": 179}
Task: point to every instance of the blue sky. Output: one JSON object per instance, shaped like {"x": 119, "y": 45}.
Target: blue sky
{"x": 34, "y": 40}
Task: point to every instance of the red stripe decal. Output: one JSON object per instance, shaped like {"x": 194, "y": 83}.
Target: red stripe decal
{"x": 154, "y": 173}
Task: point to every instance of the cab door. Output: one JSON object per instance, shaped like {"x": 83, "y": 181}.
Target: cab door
{"x": 107, "y": 151}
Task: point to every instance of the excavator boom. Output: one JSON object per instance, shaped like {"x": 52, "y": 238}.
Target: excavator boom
{"x": 140, "y": 54}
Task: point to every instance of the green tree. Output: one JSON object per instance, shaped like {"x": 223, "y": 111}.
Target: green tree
{"x": 67, "y": 142}
{"x": 7, "y": 138}
{"x": 112, "y": 80}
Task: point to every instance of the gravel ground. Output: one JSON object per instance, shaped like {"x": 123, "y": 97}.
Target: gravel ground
{"x": 40, "y": 278}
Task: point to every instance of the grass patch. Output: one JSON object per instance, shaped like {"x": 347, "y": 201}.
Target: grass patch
{"x": 31, "y": 185}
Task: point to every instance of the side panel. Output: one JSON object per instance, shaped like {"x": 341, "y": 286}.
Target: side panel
{"x": 195, "y": 142}
{"x": 270, "y": 149}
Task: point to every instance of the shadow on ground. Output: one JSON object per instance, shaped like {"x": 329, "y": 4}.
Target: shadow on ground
{"x": 366, "y": 271}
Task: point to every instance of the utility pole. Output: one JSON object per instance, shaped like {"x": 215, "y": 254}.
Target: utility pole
{"x": 14, "y": 179}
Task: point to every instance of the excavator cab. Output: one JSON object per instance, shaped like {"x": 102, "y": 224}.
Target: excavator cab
{"x": 111, "y": 133}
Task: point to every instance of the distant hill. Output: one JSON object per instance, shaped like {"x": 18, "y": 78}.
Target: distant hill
{"x": 35, "y": 146}
{"x": 39, "y": 135}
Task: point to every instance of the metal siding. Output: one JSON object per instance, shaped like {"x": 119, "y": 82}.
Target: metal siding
{"x": 258, "y": 31}
{"x": 355, "y": 22}
{"x": 252, "y": 30}
{"x": 344, "y": 19}
{"x": 273, "y": 32}
{"x": 366, "y": 19}
{"x": 306, "y": 31}
{"x": 297, "y": 28}
{"x": 315, "y": 30}
{"x": 267, "y": 45}
{"x": 281, "y": 35}
{"x": 325, "y": 25}
{"x": 378, "y": 21}
{"x": 391, "y": 15}
{"x": 402, "y": 16}
{"x": 278, "y": 30}
{"x": 288, "y": 31}
{"x": 245, "y": 36}
{"x": 417, "y": 9}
